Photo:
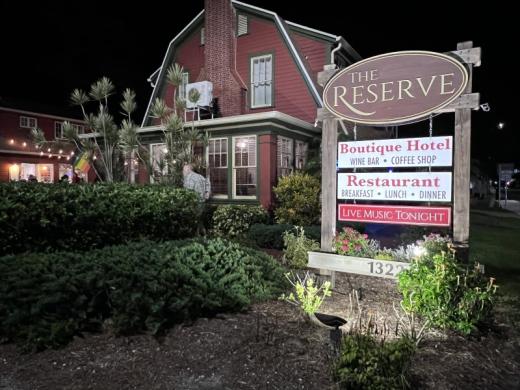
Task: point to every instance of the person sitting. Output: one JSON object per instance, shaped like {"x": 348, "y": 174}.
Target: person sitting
{"x": 32, "y": 179}
{"x": 64, "y": 179}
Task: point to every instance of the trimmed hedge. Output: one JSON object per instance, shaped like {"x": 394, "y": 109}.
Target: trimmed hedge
{"x": 43, "y": 217}
{"x": 234, "y": 220}
{"x": 46, "y": 299}
{"x": 271, "y": 236}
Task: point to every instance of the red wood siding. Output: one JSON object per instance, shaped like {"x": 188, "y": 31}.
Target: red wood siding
{"x": 291, "y": 93}
{"x": 313, "y": 52}
{"x": 190, "y": 55}
{"x": 10, "y": 125}
{"x": 267, "y": 163}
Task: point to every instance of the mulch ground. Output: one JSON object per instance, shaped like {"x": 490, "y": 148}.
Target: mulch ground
{"x": 266, "y": 347}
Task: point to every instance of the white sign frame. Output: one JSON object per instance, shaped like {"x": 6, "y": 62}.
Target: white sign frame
{"x": 370, "y": 191}
{"x": 397, "y": 152}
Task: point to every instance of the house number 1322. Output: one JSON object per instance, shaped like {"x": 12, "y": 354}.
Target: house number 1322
{"x": 379, "y": 268}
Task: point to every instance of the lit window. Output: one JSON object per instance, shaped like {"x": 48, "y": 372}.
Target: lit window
{"x": 284, "y": 156}
{"x": 218, "y": 166}
{"x": 28, "y": 122}
{"x": 244, "y": 167}
{"x": 300, "y": 154}
{"x": 158, "y": 161}
{"x": 261, "y": 81}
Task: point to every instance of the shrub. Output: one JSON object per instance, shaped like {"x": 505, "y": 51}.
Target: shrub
{"x": 45, "y": 299}
{"x": 271, "y": 236}
{"x": 296, "y": 248}
{"x": 235, "y": 220}
{"x": 42, "y": 217}
{"x": 309, "y": 296}
{"x": 350, "y": 242}
{"x": 446, "y": 294}
{"x": 366, "y": 363}
{"x": 298, "y": 200}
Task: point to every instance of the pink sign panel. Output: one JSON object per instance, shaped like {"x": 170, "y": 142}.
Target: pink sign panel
{"x": 400, "y": 215}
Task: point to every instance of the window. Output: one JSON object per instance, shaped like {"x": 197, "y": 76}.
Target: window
{"x": 202, "y": 38}
{"x": 58, "y": 129}
{"x": 242, "y": 25}
{"x": 261, "y": 81}
{"x": 301, "y": 154}
{"x": 284, "y": 156}
{"x": 244, "y": 167}
{"x": 158, "y": 161}
{"x": 182, "y": 86}
{"x": 218, "y": 166}
{"x": 28, "y": 122}
{"x": 80, "y": 129}
{"x": 45, "y": 173}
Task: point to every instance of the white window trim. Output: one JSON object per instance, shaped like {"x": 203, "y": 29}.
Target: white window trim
{"x": 28, "y": 119}
{"x": 220, "y": 196}
{"x": 61, "y": 130}
{"x": 233, "y": 182}
{"x": 291, "y": 166}
{"x": 152, "y": 180}
{"x": 202, "y": 37}
{"x": 185, "y": 97}
{"x": 251, "y": 65}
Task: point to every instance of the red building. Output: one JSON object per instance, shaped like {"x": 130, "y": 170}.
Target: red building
{"x": 19, "y": 157}
{"x": 263, "y": 74}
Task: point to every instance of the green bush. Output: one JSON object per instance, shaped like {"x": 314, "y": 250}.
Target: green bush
{"x": 46, "y": 299}
{"x": 235, "y": 220}
{"x": 446, "y": 294}
{"x": 366, "y": 363}
{"x": 296, "y": 248}
{"x": 43, "y": 217}
{"x": 298, "y": 200}
{"x": 271, "y": 236}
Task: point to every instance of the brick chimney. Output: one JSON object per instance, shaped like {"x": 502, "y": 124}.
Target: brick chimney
{"x": 220, "y": 43}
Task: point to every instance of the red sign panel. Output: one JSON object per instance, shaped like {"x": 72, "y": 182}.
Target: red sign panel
{"x": 401, "y": 215}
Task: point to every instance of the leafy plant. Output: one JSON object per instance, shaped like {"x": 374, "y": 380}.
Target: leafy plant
{"x": 366, "y": 363}
{"x": 271, "y": 236}
{"x": 350, "y": 242}
{"x": 309, "y": 296}
{"x": 296, "y": 247}
{"x": 445, "y": 294}
{"x": 46, "y": 299}
{"x": 298, "y": 199}
{"x": 235, "y": 220}
{"x": 40, "y": 217}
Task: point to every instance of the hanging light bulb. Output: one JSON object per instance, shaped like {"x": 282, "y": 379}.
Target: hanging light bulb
{"x": 49, "y": 149}
{"x": 61, "y": 151}
{"x": 50, "y": 155}
{"x": 24, "y": 144}
{"x": 11, "y": 141}
{"x": 95, "y": 158}
{"x": 72, "y": 153}
{"x": 41, "y": 153}
{"x": 59, "y": 157}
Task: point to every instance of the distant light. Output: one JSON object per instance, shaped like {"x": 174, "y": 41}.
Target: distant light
{"x": 165, "y": 150}
{"x": 95, "y": 158}
{"x": 41, "y": 153}
{"x": 48, "y": 150}
{"x": 61, "y": 151}
{"x": 72, "y": 153}
{"x": 501, "y": 125}
{"x": 11, "y": 141}
{"x": 24, "y": 144}
{"x": 390, "y": 170}
{"x": 50, "y": 155}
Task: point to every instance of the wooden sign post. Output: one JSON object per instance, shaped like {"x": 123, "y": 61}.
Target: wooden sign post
{"x": 461, "y": 170}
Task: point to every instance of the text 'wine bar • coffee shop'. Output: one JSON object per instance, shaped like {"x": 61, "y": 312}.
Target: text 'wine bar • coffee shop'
{"x": 420, "y": 181}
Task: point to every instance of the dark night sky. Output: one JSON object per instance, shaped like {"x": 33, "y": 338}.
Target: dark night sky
{"x": 49, "y": 48}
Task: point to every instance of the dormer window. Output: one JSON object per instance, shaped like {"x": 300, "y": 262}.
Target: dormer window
{"x": 242, "y": 25}
{"x": 262, "y": 81}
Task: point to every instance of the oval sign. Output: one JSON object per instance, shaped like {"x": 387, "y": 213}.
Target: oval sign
{"x": 395, "y": 88}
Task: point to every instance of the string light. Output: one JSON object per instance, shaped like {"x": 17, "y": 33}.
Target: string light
{"x": 48, "y": 150}
{"x": 24, "y": 144}
{"x": 11, "y": 141}
{"x": 72, "y": 153}
{"x": 41, "y": 153}
{"x": 60, "y": 151}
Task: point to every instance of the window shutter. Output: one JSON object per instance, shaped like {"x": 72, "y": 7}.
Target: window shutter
{"x": 242, "y": 27}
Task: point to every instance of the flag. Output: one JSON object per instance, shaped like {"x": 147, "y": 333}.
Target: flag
{"x": 81, "y": 163}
